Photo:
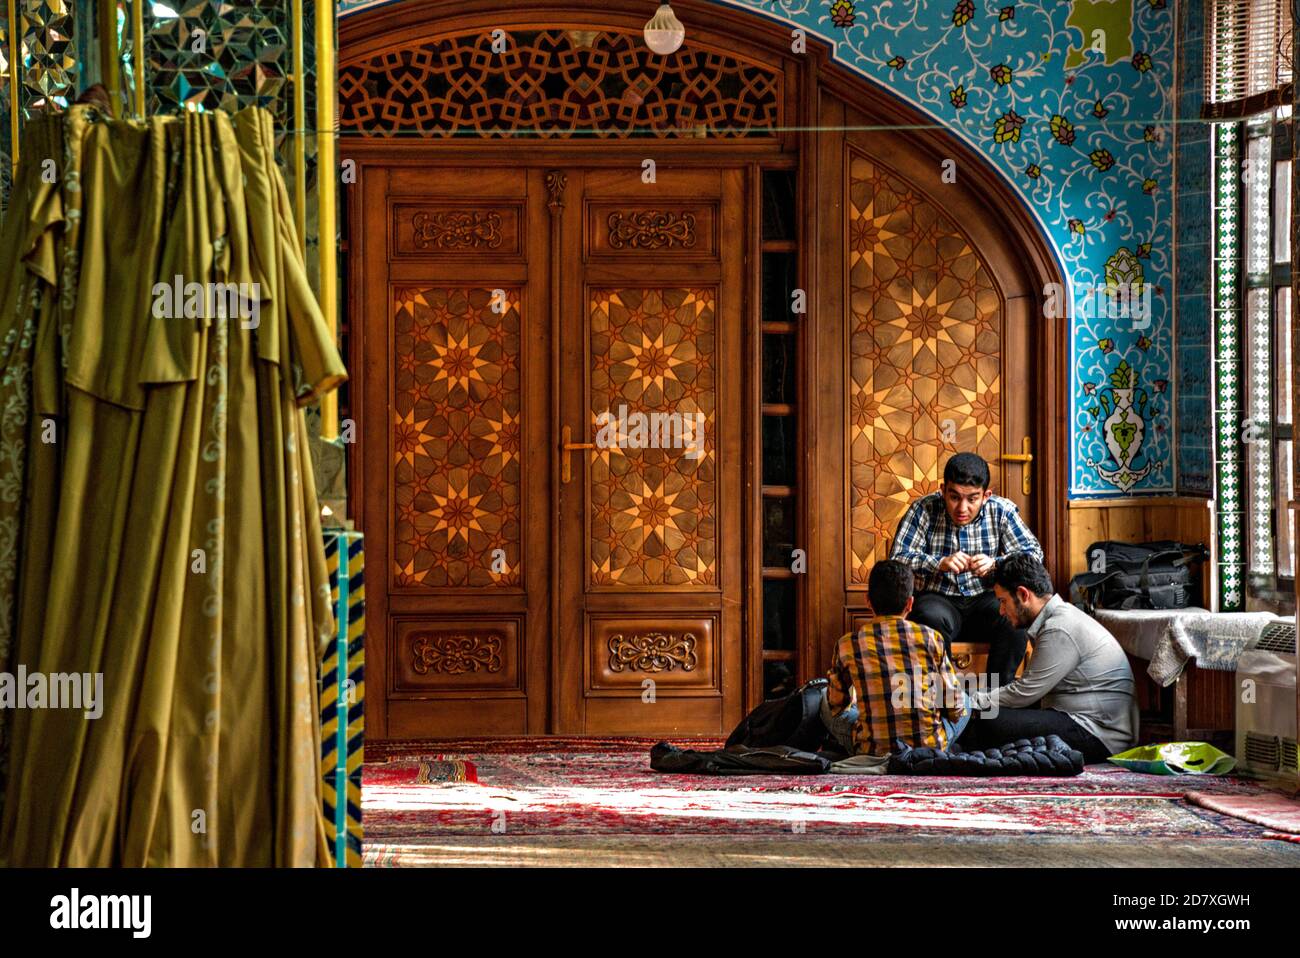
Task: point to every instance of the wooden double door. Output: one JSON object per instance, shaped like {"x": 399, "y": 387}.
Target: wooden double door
{"x": 551, "y": 446}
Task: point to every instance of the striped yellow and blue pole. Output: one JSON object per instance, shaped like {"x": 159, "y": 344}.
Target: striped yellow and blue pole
{"x": 342, "y": 697}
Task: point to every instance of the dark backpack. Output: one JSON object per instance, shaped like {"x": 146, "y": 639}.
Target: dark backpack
{"x": 1148, "y": 575}
{"x": 738, "y": 760}
{"x": 793, "y": 720}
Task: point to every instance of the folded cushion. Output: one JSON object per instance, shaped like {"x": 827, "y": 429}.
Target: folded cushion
{"x": 1048, "y": 756}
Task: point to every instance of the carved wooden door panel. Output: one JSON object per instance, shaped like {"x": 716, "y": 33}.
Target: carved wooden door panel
{"x": 455, "y": 444}
{"x": 937, "y": 357}
{"x": 649, "y": 566}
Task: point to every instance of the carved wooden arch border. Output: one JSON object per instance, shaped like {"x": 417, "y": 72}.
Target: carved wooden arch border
{"x": 736, "y": 80}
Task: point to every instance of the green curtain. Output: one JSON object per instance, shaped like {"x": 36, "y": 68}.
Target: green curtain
{"x": 168, "y": 536}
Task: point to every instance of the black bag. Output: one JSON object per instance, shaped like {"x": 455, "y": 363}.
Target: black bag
{"x": 738, "y": 760}
{"x": 1149, "y": 575}
{"x": 794, "y": 720}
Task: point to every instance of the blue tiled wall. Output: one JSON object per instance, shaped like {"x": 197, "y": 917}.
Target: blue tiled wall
{"x": 1192, "y": 251}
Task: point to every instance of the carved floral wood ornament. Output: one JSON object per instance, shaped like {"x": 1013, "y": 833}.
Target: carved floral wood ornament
{"x": 455, "y": 653}
{"x": 651, "y": 229}
{"x": 652, "y": 652}
{"x": 444, "y": 230}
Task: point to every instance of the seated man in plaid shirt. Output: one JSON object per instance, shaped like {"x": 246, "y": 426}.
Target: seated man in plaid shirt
{"x": 891, "y": 683}
{"x": 953, "y": 539}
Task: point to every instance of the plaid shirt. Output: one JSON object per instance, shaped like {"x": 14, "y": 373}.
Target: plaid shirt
{"x": 926, "y": 536}
{"x": 890, "y": 659}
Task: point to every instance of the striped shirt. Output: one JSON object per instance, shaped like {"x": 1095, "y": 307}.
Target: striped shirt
{"x": 927, "y": 535}
{"x": 904, "y": 683}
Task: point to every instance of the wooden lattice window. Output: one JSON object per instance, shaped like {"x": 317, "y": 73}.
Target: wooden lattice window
{"x": 555, "y": 84}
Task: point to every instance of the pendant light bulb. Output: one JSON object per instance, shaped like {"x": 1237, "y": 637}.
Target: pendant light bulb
{"x": 664, "y": 33}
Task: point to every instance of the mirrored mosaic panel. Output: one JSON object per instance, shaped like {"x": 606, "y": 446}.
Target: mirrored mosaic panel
{"x": 6, "y": 159}
{"x": 47, "y": 70}
{"x": 206, "y": 54}
{"x": 49, "y": 56}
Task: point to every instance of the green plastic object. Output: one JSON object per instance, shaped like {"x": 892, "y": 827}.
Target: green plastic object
{"x": 1176, "y": 758}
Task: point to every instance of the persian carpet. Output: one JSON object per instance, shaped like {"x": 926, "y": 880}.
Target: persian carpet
{"x": 1270, "y": 809}
{"x": 564, "y": 789}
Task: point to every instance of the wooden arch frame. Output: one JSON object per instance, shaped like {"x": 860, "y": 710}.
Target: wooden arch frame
{"x": 908, "y": 141}
{"x": 1014, "y": 250}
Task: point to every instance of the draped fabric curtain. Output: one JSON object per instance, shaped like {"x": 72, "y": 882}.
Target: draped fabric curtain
{"x": 158, "y": 517}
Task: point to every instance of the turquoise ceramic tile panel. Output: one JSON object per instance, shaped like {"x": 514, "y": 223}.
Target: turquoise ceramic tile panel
{"x": 1193, "y": 253}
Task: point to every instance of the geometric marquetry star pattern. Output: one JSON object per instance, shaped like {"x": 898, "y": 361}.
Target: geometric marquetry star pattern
{"x": 925, "y": 355}
{"x": 456, "y": 438}
{"x": 652, "y": 518}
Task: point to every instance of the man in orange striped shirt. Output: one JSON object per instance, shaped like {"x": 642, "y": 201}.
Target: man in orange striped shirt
{"x": 892, "y": 684}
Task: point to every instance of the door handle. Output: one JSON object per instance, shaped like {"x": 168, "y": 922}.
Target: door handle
{"x": 1025, "y": 456}
{"x": 566, "y": 447}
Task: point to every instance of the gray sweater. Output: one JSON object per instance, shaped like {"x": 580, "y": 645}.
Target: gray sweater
{"x": 1079, "y": 668}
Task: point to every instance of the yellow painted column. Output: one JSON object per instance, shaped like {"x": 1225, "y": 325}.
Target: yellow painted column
{"x": 327, "y": 178}
{"x": 110, "y": 66}
{"x": 299, "y": 128}
{"x": 137, "y": 53}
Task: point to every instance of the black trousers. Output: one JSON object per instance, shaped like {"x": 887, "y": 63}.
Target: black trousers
{"x": 986, "y": 731}
{"x": 974, "y": 618}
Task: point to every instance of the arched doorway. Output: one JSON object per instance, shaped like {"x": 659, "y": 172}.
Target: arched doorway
{"x": 649, "y": 353}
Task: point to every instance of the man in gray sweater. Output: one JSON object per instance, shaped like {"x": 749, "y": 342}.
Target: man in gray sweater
{"x": 1077, "y": 685}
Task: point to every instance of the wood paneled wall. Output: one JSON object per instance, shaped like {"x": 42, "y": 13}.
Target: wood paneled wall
{"x": 1185, "y": 519}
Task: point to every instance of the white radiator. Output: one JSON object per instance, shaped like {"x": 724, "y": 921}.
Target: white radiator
{"x": 1266, "y": 703}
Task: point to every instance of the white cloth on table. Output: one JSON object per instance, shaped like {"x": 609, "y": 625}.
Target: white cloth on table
{"x": 1170, "y": 638}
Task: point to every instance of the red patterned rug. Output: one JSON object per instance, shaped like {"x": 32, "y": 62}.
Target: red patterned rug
{"x": 1270, "y": 809}
{"x": 414, "y": 791}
